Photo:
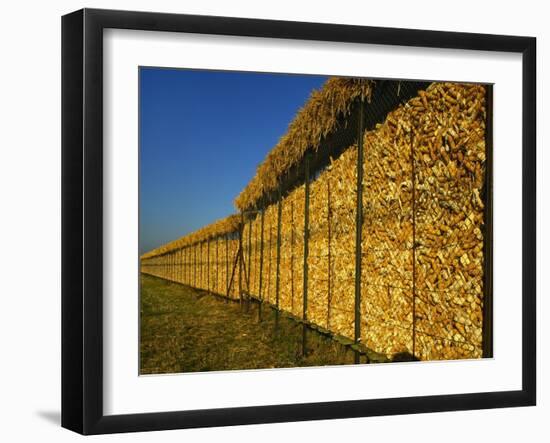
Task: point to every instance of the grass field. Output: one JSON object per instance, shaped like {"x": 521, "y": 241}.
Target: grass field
{"x": 184, "y": 330}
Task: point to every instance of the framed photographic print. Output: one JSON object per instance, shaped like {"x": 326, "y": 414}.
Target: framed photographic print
{"x": 269, "y": 221}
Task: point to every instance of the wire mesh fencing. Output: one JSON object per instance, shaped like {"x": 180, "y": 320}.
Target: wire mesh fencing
{"x": 408, "y": 273}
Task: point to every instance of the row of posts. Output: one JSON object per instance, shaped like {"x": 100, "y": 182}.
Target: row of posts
{"x": 244, "y": 268}
{"x": 358, "y": 249}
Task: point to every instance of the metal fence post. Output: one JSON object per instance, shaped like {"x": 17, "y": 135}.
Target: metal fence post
{"x": 358, "y": 232}
{"x": 292, "y": 256}
{"x": 278, "y": 265}
{"x": 487, "y": 331}
{"x": 249, "y": 261}
{"x": 208, "y": 281}
{"x": 329, "y": 240}
{"x": 269, "y": 263}
{"x": 306, "y": 253}
{"x": 239, "y": 258}
{"x": 227, "y": 267}
{"x": 413, "y": 197}
{"x": 260, "y": 295}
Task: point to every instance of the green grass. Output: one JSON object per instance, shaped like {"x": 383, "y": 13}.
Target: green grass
{"x": 184, "y": 330}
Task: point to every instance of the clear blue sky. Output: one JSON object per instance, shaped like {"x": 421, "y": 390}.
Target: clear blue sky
{"x": 202, "y": 135}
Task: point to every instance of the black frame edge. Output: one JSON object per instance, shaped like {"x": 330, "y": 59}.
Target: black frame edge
{"x": 72, "y": 117}
{"x": 82, "y": 323}
{"x": 529, "y": 221}
{"x": 93, "y": 223}
{"x": 308, "y": 411}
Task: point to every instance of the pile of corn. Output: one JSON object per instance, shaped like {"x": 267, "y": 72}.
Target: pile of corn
{"x": 319, "y": 117}
{"x": 422, "y": 233}
{"x": 204, "y": 259}
{"x": 445, "y": 127}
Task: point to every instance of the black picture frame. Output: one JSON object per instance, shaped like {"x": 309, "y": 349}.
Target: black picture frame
{"x": 82, "y": 218}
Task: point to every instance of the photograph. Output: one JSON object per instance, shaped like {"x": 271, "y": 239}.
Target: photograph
{"x": 299, "y": 220}
{"x": 296, "y": 218}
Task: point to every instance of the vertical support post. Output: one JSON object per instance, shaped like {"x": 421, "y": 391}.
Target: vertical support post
{"x": 413, "y": 197}
{"x": 278, "y": 265}
{"x": 195, "y": 265}
{"x": 227, "y": 267}
{"x": 249, "y": 260}
{"x": 487, "y": 337}
{"x": 306, "y": 254}
{"x": 208, "y": 281}
{"x": 292, "y": 257}
{"x": 199, "y": 264}
{"x": 260, "y": 295}
{"x": 217, "y": 266}
{"x": 329, "y": 257}
{"x": 358, "y": 231}
{"x": 239, "y": 258}
{"x": 269, "y": 263}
